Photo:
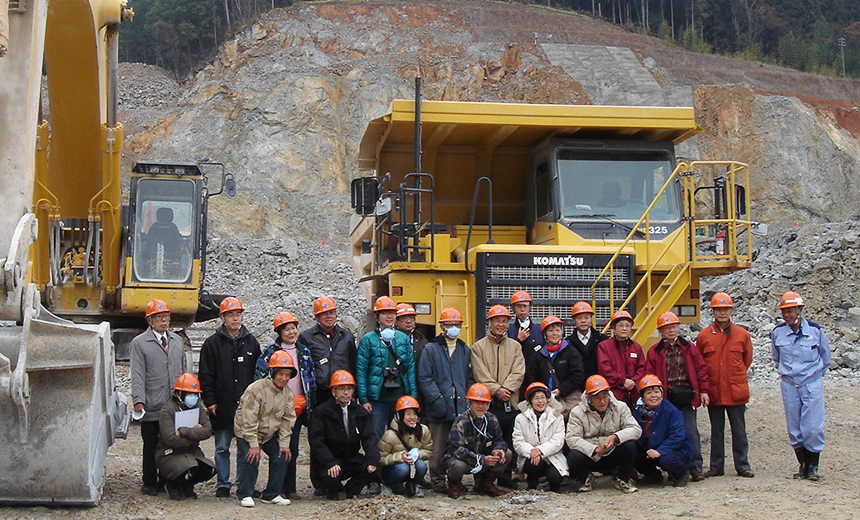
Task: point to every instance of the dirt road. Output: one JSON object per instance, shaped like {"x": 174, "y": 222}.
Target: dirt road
{"x": 771, "y": 494}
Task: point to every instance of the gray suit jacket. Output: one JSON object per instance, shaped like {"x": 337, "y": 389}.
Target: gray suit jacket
{"x": 153, "y": 371}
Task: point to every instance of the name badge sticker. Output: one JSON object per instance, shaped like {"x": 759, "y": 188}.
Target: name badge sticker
{"x": 323, "y": 361}
{"x": 241, "y": 359}
{"x": 634, "y": 355}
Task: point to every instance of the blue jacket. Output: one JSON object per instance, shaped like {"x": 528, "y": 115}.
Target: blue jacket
{"x": 668, "y": 434}
{"x": 533, "y": 343}
{"x": 371, "y": 358}
{"x": 306, "y": 369}
{"x": 444, "y": 380}
{"x": 803, "y": 356}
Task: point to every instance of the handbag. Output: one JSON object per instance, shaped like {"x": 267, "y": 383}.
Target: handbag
{"x": 681, "y": 395}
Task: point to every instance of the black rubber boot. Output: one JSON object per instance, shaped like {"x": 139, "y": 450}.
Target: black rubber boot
{"x": 812, "y": 468}
{"x": 803, "y": 459}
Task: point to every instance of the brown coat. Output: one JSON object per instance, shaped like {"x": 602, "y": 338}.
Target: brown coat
{"x": 176, "y": 454}
{"x": 499, "y": 365}
{"x": 728, "y": 355}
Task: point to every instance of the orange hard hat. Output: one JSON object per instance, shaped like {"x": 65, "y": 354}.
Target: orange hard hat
{"x": 534, "y": 387}
{"x": 405, "y": 402}
{"x": 478, "y": 392}
{"x": 340, "y": 378}
{"x": 620, "y": 315}
{"x": 450, "y": 314}
{"x": 404, "y": 309}
{"x": 323, "y": 304}
{"x": 384, "y": 303}
{"x": 667, "y": 318}
{"x": 281, "y": 359}
{"x": 283, "y": 318}
{"x": 498, "y": 310}
{"x": 521, "y": 297}
{"x": 230, "y": 304}
{"x": 789, "y": 300}
{"x": 721, "y": 300}
{"x": 549, "y": 320}
{"x": 581, "y": 308}
{"x": 188, "y": 382}
{"x": 648, "y": 381}
{"x": 595, "y": 384}
{"x": 156, "y": 307}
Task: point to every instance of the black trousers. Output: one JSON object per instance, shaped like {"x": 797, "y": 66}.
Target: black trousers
{"x": 355, "y": 474}
{"x": 544, "y": 468}
{"x": 149, "y": 434}
{"x": 622, "y": 458}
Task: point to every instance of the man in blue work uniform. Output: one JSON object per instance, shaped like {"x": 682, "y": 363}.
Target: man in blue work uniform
{"x": 525, "y": 330}
{"x": 802, "y": 356}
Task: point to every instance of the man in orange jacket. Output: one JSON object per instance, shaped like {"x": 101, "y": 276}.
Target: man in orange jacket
{"x": 727, "y": 350}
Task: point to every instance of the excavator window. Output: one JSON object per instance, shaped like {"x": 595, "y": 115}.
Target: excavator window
{"x": 164, "y": 230}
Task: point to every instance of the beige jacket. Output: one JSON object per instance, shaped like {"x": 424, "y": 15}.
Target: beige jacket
{"x": 499, "y": 365}
{"x": 586, "y": 428}
{"x": 265, "y": 410}
{"x": 550, "y": 441}
{"x": 391, "y": 448}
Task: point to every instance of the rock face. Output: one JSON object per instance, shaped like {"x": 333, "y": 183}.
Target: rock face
{"x": 285, "y": 104}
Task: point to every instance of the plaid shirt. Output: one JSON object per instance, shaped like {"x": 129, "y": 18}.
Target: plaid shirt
{"x": 468, "y": 444}
{"x": 676, "y": 370}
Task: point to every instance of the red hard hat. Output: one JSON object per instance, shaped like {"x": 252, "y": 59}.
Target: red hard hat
{"x": 498, "y": 310}
{"x": 230, "y": 304}
{"x": 667, "y": 318}
{"x": 595, "y": 384}
{"x": 406, "y": 402}
{"x": 549, "y": 320}
{"x": 534, "y": 387}
{"x": 649, "y": 381}
{"x": 520, "y": 297}
{"x": 404, "y": 309}
{"x": 384, "y": 303}
{"x": 283, "y": 318}
{"x": 789, "y": 300}
{"x": 188, "y": 382}
{"x": 620, "y": 315}
{"x": 156, "y": 307}
{"x": 323, "y": 304}
{"x": 450, "y": 314}
{"x": 721, "y": 300}
{"x": 281, "y": 359}
{"x": 479, "y": 392}
{"x": 581, "y": 308}
{"x": 340, "y": 378}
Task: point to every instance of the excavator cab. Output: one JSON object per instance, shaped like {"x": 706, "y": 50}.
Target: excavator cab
{"x": 165, "y": 222}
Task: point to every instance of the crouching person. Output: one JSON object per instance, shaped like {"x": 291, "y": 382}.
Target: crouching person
{"x": 664, "y": 444}
{"x": 405, "y": 449}
{"x": 539, "y": 438}
{"x": 178, "y": 457}
{"x": 340, "y": 430}
{"x": 264, "y": 422}
{"x": 476, "y": 446}
{"x": 601, "y": 435}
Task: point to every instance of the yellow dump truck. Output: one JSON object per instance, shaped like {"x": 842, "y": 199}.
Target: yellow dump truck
{"x": 567, "y": 202}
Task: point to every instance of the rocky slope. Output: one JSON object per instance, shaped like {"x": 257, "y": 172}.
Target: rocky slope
{"x": 285, "y": 104}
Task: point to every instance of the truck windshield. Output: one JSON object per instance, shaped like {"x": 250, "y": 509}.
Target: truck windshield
{"x": 619, "y": 186}
{"x": 164, "y": 229}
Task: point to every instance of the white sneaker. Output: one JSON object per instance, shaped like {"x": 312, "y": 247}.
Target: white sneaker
{"x": 247, "y": 502}
{"x": 626, "y": 486}
{"x": 587, "y": 485}
{"x": 279, "y": 501}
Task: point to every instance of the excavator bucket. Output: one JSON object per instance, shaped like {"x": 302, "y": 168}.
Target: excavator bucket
{"x": 59, "y": 409}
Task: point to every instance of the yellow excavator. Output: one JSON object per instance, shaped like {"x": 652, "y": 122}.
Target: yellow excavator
{"x": 79, "y": 264}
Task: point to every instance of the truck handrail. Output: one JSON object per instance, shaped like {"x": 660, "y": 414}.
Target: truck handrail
{"x": 472, "y": 218}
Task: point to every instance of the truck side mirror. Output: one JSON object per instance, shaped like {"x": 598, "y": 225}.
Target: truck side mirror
{"x": 230, "y": 187}
{"x": 364, "y": 192}
{"x": 740, "y": 200}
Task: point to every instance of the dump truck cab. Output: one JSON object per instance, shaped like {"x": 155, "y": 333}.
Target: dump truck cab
{"x": 567, "y": 202}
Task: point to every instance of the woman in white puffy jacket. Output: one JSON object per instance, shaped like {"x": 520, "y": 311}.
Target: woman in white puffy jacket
{"x": 539, "y": 437}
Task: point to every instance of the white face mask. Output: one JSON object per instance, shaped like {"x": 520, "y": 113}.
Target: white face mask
{"x": 387, "y": 334}
{"x": 524, "y": 323}
{"x": 191, "y": 400}
{"x": 453, "y": 332}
